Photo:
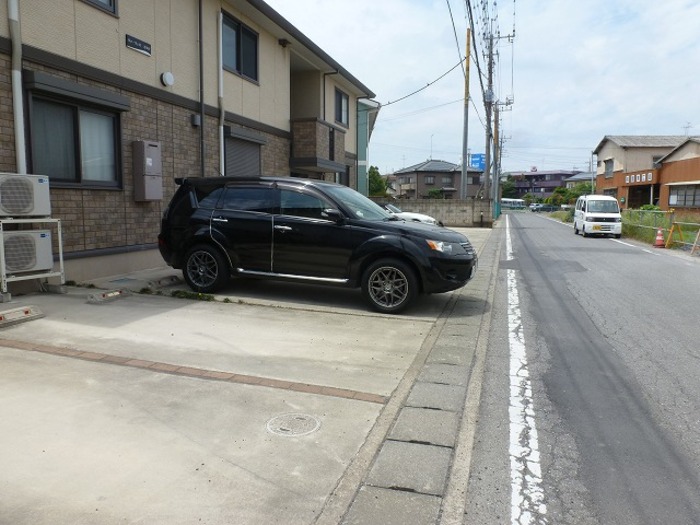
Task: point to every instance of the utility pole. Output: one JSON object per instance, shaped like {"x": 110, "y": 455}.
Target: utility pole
{"x": 463, "y": 189}
{"x": 488, "y": 103}
{"x": 496, "y": 174}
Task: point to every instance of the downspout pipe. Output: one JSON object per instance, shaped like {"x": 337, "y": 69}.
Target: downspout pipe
{"x": 17, "y": 94}
{"x": 222, "y": 113}
{"x": 201, "y": 91}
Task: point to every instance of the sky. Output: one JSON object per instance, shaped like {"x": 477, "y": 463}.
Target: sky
{"x": 574, "y": 70}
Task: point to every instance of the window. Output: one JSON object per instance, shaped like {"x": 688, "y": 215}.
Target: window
{"x": 240, "y": 48}
{"x": 74, "y": 143}
{"x": 302, "y": 205}
{"x": 107, "y": 5}
{"x": 684, "y": 196}
{"x": 609, "y": 163}
{"x": 447, "y": 180}
{"x": 429, "y": 179}
{"x": 342, "y": 107}
{"x": 248, "y": 199}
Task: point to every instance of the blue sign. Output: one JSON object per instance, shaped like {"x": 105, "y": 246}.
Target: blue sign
{"x": 477, "y": 161}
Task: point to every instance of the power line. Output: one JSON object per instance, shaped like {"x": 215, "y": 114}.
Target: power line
{"x": 422, "y": 110}
{"x": 426, "y": 86}
{"x": 454, "y": 30}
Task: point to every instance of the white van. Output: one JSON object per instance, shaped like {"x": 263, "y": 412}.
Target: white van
{"x": 597, "y": 214}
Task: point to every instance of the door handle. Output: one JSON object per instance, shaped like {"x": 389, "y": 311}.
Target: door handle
{"x": 283, "y": 228}
{"x": 219, "y": 219}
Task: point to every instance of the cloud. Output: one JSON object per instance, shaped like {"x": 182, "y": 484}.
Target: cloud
{"x": 577, "y": 71}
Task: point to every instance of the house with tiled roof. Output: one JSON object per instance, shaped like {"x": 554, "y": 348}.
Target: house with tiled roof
{"x": 624, "y": 153}
{"x": 659, "y": 170}
{"x": 417, "y": 181}
{"x": 584, "y": 176}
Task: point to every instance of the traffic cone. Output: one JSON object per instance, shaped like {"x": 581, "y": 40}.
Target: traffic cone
{"x": 659, "y": 243}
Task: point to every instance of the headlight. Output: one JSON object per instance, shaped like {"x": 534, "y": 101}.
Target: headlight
{"x": 448, "y": 248}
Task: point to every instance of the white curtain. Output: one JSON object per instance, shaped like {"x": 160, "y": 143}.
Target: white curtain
{"x": 97, "y": 146}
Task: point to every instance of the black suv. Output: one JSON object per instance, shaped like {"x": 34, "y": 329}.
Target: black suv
{"x": 307, "y": 230}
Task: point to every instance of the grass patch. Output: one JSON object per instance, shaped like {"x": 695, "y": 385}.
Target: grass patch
{"x": 196, "y": 296}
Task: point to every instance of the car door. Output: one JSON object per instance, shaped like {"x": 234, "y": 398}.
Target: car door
{"x": 242, "y": 223}
{"x": 305, "y": 242}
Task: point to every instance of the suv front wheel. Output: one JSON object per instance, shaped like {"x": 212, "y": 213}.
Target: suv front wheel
{"x": 205, "y": 269}
{"x": 389, "y": 285}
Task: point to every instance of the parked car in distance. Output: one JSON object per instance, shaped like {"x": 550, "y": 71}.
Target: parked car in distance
{"x": 538, "y": 206}
{"x": 411, "y": 216}
{"x": 308, "y": 231}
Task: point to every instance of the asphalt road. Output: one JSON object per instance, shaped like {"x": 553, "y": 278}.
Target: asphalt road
{"x": 612, "y": 349}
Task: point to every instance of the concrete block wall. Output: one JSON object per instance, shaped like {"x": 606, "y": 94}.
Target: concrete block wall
{"x": 452, "y": 212}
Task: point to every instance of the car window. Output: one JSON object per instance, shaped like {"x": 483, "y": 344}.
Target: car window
{"x": 302, "y": 204}
{"x": 393, "y": 208}
{"x": 258, "y": 199}
{"x": 209, "y": 201}
{"x": 359, "y": 205}
{"x": 603, "y": 207}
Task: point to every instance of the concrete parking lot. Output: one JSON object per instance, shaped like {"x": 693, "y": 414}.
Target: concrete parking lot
{"x": 144, "y": 408}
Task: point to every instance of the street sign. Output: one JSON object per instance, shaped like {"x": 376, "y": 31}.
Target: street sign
{"x": 477, "y": 161}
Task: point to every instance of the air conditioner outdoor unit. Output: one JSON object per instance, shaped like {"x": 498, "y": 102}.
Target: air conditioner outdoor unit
{"x": 24, "y": 195}
{"x": 27, "y": 251}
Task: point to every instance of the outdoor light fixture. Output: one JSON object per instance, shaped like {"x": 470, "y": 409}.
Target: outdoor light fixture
{"x": 167, "y": 79}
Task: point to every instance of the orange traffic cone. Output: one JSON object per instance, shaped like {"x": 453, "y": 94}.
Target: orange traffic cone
{"x": 659, "y": 243}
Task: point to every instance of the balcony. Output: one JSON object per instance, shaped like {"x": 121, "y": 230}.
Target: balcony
{"x": 317, "y": 147}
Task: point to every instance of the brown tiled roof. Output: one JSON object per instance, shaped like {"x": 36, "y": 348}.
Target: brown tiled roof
{"x": 643, "y": 141}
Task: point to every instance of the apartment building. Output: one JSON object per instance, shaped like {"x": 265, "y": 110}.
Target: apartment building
{"x": 114, "y": 99}
{"x": 541, "y": 184}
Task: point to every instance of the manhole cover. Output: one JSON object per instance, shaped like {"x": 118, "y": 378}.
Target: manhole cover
{"x": 293, "y": 425}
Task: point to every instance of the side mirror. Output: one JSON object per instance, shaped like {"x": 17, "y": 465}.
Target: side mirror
{"x": 333, "y": 214}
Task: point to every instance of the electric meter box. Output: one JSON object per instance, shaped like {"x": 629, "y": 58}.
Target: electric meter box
{"x": 148, "y": 171}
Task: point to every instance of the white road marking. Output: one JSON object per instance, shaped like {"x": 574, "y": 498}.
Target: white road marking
{"x": 527, "y": 494}
{"x": 623, "y": 242}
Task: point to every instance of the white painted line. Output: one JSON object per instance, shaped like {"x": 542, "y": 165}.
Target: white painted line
{"x": 527, "y": 494}
{"x": 623, "y": 242}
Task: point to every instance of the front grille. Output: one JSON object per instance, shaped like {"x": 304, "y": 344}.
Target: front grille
{"x": 468, "y": 248}
{"x": 604, "y": 219}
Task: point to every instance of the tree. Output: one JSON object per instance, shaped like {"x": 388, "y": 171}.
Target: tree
{"x": 508, "y": 190}
{"x": 377, "y": 185}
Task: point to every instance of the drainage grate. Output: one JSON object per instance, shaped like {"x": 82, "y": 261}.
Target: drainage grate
{"x": 293, "y": 425}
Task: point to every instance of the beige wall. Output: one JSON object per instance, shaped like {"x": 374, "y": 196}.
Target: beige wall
{"x": 631, "y": 159}
{"x": 306, "y": 95}
{"x": 79, "y": 31}
{"x": 691, "y": 150}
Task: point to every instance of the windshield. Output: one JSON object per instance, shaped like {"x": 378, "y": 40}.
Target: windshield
{"x": 392, "y": 208}
{"x": 603, "y": 207}
{"x": 359, "y": 205}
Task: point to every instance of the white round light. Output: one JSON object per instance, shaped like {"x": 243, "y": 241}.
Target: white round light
{"x": 167, "y": 79}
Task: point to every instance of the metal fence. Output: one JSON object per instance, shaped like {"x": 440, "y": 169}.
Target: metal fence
{"x": 645, "y": 224}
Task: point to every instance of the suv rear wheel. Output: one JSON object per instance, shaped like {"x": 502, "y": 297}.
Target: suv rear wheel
{"x": 205, "y": 269}
{"x": 389, "y": 285}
